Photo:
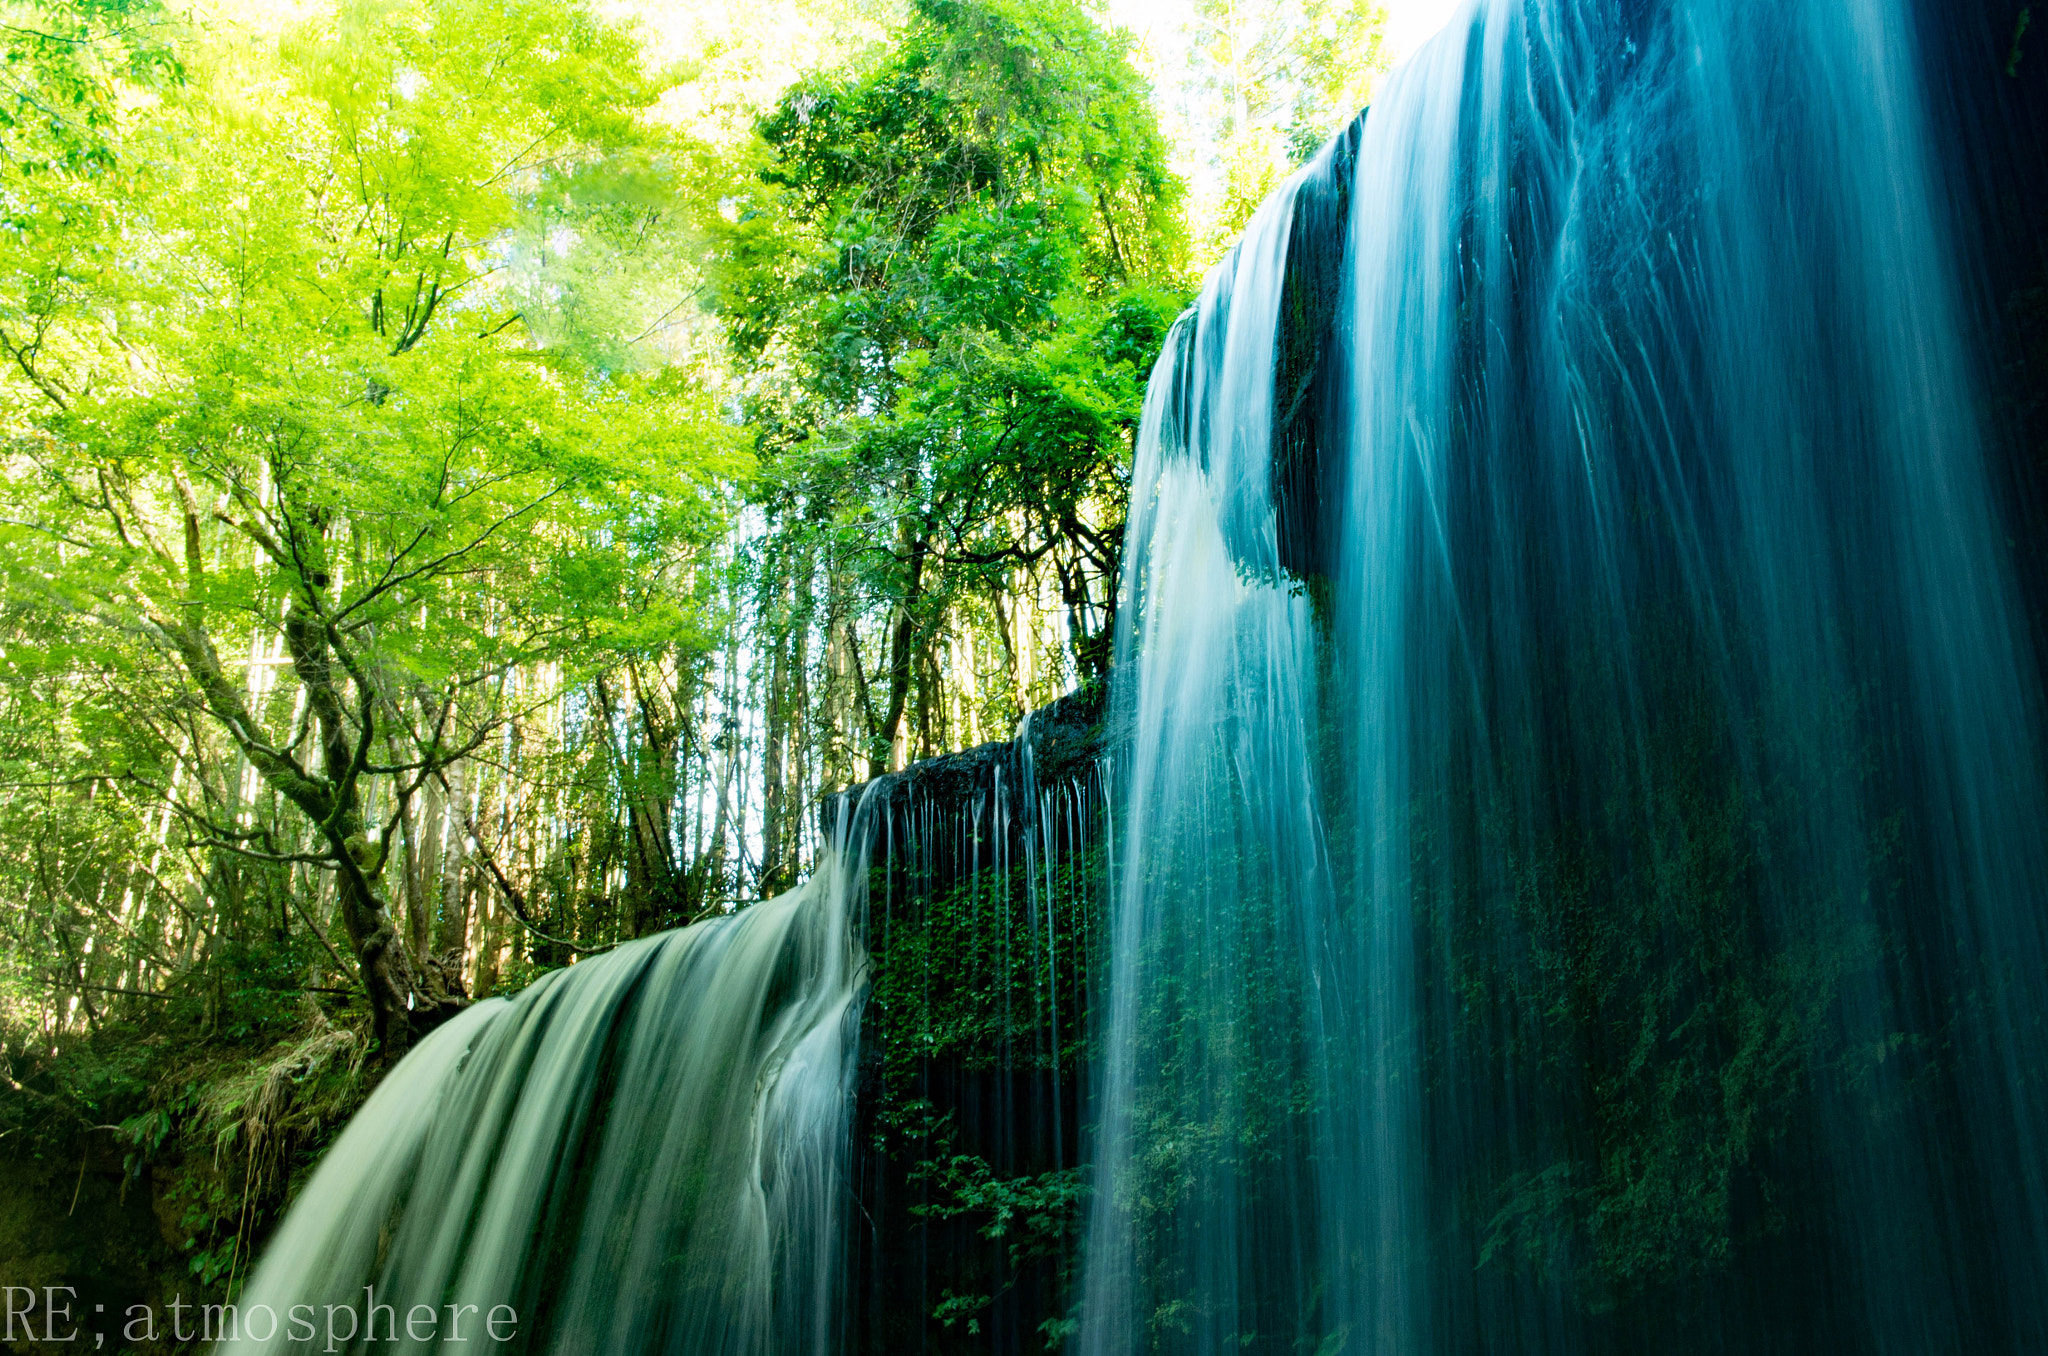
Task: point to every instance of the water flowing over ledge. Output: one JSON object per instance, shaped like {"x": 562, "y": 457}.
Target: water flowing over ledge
{"x": 646, "y": 1151}
{"x": 1581, "y": 873}
{"x": 1563, "y": 873}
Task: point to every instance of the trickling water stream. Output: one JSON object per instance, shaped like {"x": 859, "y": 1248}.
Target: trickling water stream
{"x": 982, "y": 932}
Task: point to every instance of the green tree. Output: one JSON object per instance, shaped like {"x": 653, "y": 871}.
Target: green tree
{"x": 1270, "y": 80}
{"x": 297, "y": 431}
{"x": 62, "y": 63}
{"x": 953, "y": 277}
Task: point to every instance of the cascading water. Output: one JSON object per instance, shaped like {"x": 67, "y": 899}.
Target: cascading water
{"x": 989, "y": 877}
{"x": 644, "y": 1152}
{"x": 1576, "y": 833}
{"x": 1202, "y": 1228}
{"x": 1581, "y": 878}
{"x": 765, "y": 1133}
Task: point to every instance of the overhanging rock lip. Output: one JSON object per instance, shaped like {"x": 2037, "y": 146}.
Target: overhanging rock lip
{"x": 1067, "y": 737}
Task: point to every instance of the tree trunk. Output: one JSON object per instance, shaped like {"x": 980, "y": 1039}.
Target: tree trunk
{"x": 775, "y": 735}
{"x": 902, "y": 652}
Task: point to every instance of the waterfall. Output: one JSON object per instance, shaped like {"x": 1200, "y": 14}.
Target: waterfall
{"x": 988, "y": 881}
{"x": 1580, "y": 871}
{"x": 646, "y": 1151}
{"x": 1190, "y": 1232}
{"x": 1571, "y": 822}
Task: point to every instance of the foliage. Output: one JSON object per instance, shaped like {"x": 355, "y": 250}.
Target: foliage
{"x": 62, "y": 64}
{"x": 982, "y": 935}
{"x": 1275, "y": 79}
{"x": 304, "y": 485}
{"x": 952, "y": 278}
{"x": 985, "y": 973}
{"x": 214, "y": 1134}
{"x": 1036, "y": 1215}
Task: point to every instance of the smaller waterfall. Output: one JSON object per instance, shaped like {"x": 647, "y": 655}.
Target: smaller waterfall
{"x": 644, "y": 1152}
{"x": 976, "y": 1039}
{"x": 1200, "y": 1222}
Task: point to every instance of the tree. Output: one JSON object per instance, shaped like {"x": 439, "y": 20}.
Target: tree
{"x": 953, "y": 278}
{"x": 1249, "y": 89}
{"x": 322, "y": 451}
{"x": 61, "y": 66}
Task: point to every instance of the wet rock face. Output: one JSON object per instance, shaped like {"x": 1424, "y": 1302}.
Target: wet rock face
{"x": 74, "y": 1231}
{"x": 985, "y": 890}
{"x": 1065, "y": 739}
{"x": 1309, "y": 426}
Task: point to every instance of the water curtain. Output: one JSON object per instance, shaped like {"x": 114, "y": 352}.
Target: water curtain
{"x": 646, "y": 1152}
{"x": 1580, "y": 882}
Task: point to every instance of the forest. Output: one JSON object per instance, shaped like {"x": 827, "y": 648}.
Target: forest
{"x": 481, "y": 473}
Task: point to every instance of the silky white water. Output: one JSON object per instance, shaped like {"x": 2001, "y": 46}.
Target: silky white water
{"x": 643, "y": 1152}
{"x": 1582, "y": 872}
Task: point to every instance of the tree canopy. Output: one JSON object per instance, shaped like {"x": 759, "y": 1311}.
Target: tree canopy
{"x": 950, "y": 285}
{"x": 292, "y": 452}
